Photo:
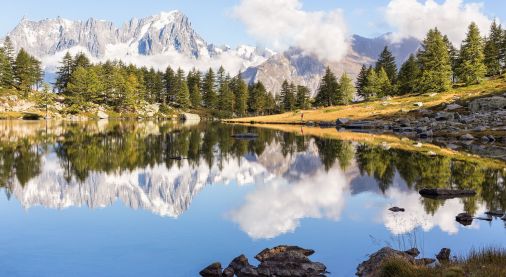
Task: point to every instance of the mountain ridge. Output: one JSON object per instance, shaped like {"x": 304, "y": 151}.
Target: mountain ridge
{"x": 168, "y": 38}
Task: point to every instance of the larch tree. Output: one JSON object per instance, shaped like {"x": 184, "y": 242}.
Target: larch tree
{"x": 346, "y": 90}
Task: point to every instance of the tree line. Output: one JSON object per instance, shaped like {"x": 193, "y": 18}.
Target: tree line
{"x": 437, "y": 66}
{"x": 21, "y": 71}
{"x": 124, "y": 87}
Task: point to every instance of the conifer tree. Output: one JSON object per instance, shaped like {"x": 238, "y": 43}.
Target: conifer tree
{"x": 371, "y": 88}
{"x": 64, "y": 72}
{"x": 384, "y": 84}
{"x": 81, "y": 60}
{"x": 408, "y": 75}
{"x": 454, "y": 56}
{"x": 27, "y": 71}
{"x": 387, "y": 61}
{"x": 361, "y": 80}
{"x": 9, "y": 50}
{"x": 170, "y": 82}
{"x": 287, "y": 97}
{"x": 471, "y": 69}
{"x": 226, "y": 101}
{"x": 83, "y": 87}
{"x": 328, "y": 90}
{"x": 209, "y": 90}
{"x": 183, "y": 93}
{"x": 241, "y": 96}
{"x": 303, "y": 97}
{"x": 435, "y": 64}
{"x": 6, "y": 71}
{"x": 346, "y": 90}
{"x": 493, "y": 45}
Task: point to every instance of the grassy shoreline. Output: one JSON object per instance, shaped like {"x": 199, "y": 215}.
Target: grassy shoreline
{"x": 380, "y": 109}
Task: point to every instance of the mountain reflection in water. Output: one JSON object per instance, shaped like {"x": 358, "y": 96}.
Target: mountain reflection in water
{"x": 161, "y": 167}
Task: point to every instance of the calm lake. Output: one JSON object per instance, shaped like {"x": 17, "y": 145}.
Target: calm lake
{"x": 158, "y": 199}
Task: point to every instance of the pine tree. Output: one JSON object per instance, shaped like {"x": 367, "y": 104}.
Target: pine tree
{"x": 287, "y": 97}
{"x": 81, "y": 60}
{"x": 183, "y": 93}
{"x": 6, "y": 71}
{"x": 492, "y": 50}
{"x": 361, "y": 80}
{"x": 64, "y": 72}
{"x": 220, "y": 77}
{"x": 226, "y": 102}
{"x": 408, "y": 75}
{"x": 241, "y": 96}
{"x": 9, "y": 50}
{"x": 303, "y": 97}
{"x": 209, "y": 90}
{"x": 170, "y": 82}
{"x": 84, "y": 86}
{"x": 435, "y": 64}
{"x": 328, "y": 90}
{"x": 346, "y": 90}
{"x": 387, "y": 61}
{"x": 195, "y": 96}
{"x": 454, "y": 56}
{"x": 194, "y": 83}
{"x": 471, "y": 69}
{"x": 27, "y": 71}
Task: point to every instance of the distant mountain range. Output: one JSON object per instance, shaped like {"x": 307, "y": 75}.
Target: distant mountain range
{"x": 169, "y": 39}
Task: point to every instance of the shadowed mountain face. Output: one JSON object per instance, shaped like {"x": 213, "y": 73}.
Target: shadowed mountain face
{"x": 162, "y": 167}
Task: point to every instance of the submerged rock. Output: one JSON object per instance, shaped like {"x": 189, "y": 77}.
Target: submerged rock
{"x": 464, "y": 219}
{"x": 280, "y": 261}
{"x": 396, "y": 209}
{"x": 446, "y": 193}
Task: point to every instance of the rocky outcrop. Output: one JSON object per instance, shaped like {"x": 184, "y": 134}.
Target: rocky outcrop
{"x": 280, "y": 261}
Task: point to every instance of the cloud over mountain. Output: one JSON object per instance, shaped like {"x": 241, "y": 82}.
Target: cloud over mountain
{"x": 284, "y": 23}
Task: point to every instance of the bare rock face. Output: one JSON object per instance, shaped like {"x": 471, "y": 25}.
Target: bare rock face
{"x": 280, "y": 261}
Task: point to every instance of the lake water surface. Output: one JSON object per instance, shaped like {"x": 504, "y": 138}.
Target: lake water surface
{"x": 115, "y": 199}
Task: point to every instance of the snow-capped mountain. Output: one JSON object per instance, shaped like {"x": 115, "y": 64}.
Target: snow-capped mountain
{"x": 169, "y": 39}
{"x": 159, "y": 40}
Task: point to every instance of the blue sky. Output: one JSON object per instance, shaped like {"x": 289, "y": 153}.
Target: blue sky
{"x": 211, "y": 18}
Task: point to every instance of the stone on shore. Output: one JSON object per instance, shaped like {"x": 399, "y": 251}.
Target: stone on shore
{"x": 372, "y": 267}
{"x": 280, "y": 261}
{"x": 443, "y": 255}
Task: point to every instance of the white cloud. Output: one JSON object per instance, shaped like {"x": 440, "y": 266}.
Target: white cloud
{"x": 283, "y": 23}
{"x": 233, "y": 60}
{"x": 413, "y": 18}
{"x": 277, "y": 206}
{"x": 416, "y": 216}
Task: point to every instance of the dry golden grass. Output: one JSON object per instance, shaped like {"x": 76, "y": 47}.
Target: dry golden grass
{"x": 377, "y": 109}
